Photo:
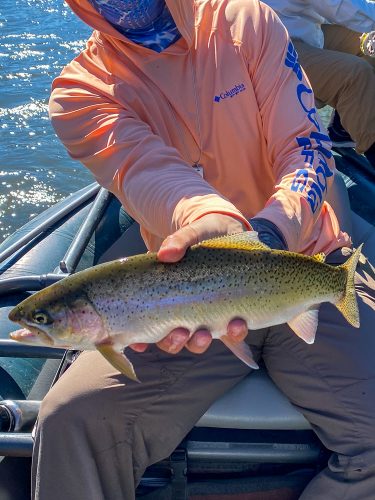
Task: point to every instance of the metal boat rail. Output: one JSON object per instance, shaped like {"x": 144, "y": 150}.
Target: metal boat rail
{"x": 91, "y": 191}
{"x": 12, "y": 349}
{"x": 75, "y": 251}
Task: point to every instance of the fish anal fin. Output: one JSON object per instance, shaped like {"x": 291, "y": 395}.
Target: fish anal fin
{"x": 118, "y": 360}
{"x": 247, "y": 240}
{"x": 305, "y": 324}
{"x": 241, "y": 350}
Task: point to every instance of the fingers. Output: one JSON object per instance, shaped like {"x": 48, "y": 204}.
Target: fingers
{"x": 138, "y": 347}
{"x": 179, "y": 338}
{"x": 198, "y": 343}
{"x": 201, "y": 340}
{"x": 174, "y": 341}
{"x": 237, "y": 329}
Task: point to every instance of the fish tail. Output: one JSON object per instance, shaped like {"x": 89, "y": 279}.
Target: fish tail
{"x": 348, "y": 305}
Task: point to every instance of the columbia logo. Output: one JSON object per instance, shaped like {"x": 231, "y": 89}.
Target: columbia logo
{"x": 230, "y": 93}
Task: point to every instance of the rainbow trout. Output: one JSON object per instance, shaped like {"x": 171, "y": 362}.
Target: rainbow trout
{"x": 139, "y": 299}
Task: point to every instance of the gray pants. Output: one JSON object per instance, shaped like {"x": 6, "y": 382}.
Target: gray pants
{"x": 98, "y": 432}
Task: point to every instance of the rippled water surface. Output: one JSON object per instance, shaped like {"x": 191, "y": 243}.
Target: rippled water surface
{"x": 37, "y": 37}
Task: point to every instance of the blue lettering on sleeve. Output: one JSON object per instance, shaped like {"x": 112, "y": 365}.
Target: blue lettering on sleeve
{"x": 312, "y": 200}
{"x": 319, "y": 137}
{"x": 312, "y": 144}
{"x": 311, "y": 112}
{"x": 291, "y": 61}
{"x": 312, "y": 147}
{"x": 307, "y": 150}
{"x": 300, "y": 180}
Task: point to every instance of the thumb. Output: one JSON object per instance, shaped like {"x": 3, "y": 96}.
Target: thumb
{"x": 174, "y": 246}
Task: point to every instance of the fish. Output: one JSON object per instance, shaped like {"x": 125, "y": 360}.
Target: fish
{"x": 139, "y": 299}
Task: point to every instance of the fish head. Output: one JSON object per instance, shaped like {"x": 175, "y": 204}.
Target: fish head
{"x": 44, "y": 324}
{"x": 69, "y": 322}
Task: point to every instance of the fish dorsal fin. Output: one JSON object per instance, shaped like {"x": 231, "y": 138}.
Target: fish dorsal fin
{"x": 320, "y": 257}
{"x": 305, "y": 324}
{"x": 118, "y": 360}
{"x": 241, "y": 350}
{"x": 247, "y": 240}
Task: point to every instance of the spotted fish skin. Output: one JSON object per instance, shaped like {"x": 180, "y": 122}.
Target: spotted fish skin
{"x": 207, "y": 288}
{"x": 139, "y": 299}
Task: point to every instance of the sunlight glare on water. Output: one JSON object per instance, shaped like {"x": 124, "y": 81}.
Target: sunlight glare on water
{"x": 37, "y": 38}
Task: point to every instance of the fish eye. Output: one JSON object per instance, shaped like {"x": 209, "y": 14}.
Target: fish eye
{"x": 42, "y": 318}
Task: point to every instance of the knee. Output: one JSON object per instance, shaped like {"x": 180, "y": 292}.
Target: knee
{"x": 58, "y": 409}
{"x": 355, "y": 465}
{"x": 359, "y": 72}
{"x": 88, "y": 411}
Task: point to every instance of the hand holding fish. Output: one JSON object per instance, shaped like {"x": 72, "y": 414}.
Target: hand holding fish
{"x": 209, "y": 226}
{"x": 173, "y": 249}
{"x": 199, "y": 342}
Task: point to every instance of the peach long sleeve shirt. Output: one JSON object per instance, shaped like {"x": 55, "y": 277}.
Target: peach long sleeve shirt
{"x": 229, "y": 94}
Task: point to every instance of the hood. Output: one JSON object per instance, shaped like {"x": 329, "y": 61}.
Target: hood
{"x": 181, "y": 10}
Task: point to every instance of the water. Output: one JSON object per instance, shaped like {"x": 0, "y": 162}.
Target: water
{"x": 37, "y": 38}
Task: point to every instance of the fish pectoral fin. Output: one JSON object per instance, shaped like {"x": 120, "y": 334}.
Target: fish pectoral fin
{"x": 118, "y": 360}
{"x": 304, "y": 325}
{"x": 241, "y": 350}
{"x": 248, "y": 240}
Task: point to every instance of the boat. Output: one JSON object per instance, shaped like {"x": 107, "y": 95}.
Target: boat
{"x": 251, "y": 441}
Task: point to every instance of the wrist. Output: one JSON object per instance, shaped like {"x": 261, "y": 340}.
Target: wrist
{"x": 269, "y": 233}
{"x": 229, "y": 223}
{"x": 367, "y": 44}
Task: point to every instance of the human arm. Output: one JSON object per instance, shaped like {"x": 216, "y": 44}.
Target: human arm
{"x": 298, "y": 147}
{"x": 357, "y": 15}
{"x": 124, "y": 153}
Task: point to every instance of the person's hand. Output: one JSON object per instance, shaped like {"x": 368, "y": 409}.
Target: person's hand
{"x": 173, "y": 249}
{"x": 174, "y": 246}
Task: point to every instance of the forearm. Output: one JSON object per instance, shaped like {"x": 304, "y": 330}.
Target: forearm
{"x": 299, "y": 150}
{"x": 154, "y": 184}
{"x": 171, "y": 197}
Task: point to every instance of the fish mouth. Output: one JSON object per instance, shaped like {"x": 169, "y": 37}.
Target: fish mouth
{"x": 32, "y": 335}
{"x": 15, "y": 314}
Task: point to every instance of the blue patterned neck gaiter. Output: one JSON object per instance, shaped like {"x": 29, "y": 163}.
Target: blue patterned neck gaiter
{"x": 146, "y": 22}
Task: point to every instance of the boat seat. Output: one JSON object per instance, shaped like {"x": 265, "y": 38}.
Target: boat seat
{"x": 258, "y": 404}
